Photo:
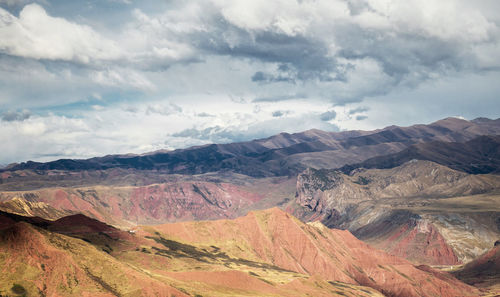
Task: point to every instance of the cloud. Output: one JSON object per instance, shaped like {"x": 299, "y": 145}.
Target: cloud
{"x": 338, "y": 51}
{"x": 163, "y": 109}
{"x": 277, "y": 114}
{"x": 278, "y": 98}
{"x": 406, "y": 43}
{"x": 230, "y": 65}
{"x": 96, "y": 133}
{"x": 359, "y": 109}
{"x": 280, "y": 113}
{"x": 328, "y": 116}
{"x": 121, "y": 77}
{"x": 35, "y": 34}
{"x": 205, "y": 115}
{"x": 251, "y": 130}
{"x": 12, "y": 116}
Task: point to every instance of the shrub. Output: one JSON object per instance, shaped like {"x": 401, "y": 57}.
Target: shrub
{"x": 18, "y": 289}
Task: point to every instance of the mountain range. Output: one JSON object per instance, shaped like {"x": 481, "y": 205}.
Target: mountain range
{"x": 360, "y": 213}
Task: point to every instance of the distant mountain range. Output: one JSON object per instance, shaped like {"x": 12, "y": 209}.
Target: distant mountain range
{"x": 286, "y": 154}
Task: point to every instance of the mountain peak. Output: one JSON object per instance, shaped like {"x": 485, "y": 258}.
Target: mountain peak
{"x": 452, "y": 122}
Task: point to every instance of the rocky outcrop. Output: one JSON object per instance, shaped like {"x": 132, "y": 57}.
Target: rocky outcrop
{"x": 324, "y": 190}
{"x": 389, "y": 208}
{"x": 24, "y": 207}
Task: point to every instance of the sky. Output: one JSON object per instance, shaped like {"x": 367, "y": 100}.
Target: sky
{"x": 89, "y": 78}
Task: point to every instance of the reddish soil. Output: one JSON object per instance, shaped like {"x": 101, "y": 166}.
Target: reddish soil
{"x": 420, "y": 243}
{"x": 56, "y": 265}
{"x": 275, "y": 237}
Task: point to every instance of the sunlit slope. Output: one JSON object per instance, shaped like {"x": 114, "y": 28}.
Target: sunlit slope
{"x": 278, "y": 239}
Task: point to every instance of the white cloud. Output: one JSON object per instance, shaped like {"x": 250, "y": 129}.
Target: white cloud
{"x": 122, "y": 77}
{"x": 35, "y": 34}
{"x": 143, "y": 128}
{"x": 446, "y": 19}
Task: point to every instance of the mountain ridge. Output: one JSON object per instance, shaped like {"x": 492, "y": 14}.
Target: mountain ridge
{"x": 282, "y": 154}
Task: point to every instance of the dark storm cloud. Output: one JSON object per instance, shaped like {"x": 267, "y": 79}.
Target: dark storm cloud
{"x": 300, "y": 57}
{"x": 404, "y": 57}
{"x": 407, "y": 57}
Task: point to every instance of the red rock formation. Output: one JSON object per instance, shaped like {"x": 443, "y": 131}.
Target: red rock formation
{"x": 275, "y": 237}
{"x": 159, "y": 203}
{"x": 415, "y": 239}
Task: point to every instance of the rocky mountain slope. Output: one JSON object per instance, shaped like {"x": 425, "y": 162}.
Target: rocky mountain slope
{"x": 181, "y": 200}
{"x": 33, "y": 208}
{"x": 477, "y": 156}
{"x": 277, "y": 238}
{"x": 421, "y": 210}
{"x": 483, "y": 271}
{"x": 266, "y": 253}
